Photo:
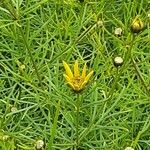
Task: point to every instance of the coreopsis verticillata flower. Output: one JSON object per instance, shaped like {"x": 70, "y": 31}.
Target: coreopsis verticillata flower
{"x": 137, "y": 25}
{"x": 74, "y": 79}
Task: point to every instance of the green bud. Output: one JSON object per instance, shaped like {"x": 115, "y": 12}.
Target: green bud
{"x": 137, "y": 25}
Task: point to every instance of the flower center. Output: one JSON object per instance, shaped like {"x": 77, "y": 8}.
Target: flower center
{"x": 77, "y": 82}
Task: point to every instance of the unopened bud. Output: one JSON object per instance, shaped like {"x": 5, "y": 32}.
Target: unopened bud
{"x": 137, "y": 25}
{"x": 100, "y": 23}
{"x": 129, "y": 148}
{"x": 118, "y": 31}
{"x": 20, "y": 65}
{"x": 4, "y": 137}
{"x": 14, "y": 109}
{"x": 39, "y": 144}
{"x": 118, "y": 61}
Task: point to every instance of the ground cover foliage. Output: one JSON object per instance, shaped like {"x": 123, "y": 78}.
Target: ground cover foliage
{"x": 35, "y": 100}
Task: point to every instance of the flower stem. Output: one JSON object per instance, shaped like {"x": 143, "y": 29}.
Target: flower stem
{"x": 120, "y": 71}
{"x": 77, "y": 119}
{"x": 140, "y": 75}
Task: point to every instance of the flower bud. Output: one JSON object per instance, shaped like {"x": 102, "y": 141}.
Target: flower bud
{"x": 4, "y": 137}
{"x": 137, "y": 25}
{"x": 129, "y": 148}
{"x": 20, "y": 66}
{"x": 39, "y": 144}
{"x": 118, "y": 61}
{"x": 118, "y": 31}
{"x": 13, "y": 109}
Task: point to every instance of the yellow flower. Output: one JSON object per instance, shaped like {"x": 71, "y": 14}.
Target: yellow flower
{"x": 75, "y": 80}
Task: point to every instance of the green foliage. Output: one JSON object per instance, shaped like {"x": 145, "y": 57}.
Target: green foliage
{"x": 36, "y": 36}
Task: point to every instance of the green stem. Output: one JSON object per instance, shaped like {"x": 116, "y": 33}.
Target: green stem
{"x": 54, "y": 127}
{"x": 26, "y": 45}
{"x": 31, "y": 57}
{"x": 140, "y": 75}
{"x": 121, "y": 69}
{"x": 77, "y": 120}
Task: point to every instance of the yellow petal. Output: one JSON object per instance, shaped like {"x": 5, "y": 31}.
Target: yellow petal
{"x": 88, "y": 76}
{"x": 77, "y": 88}
{"x": 83, "y": 84}
{"x": 76, "y": 69}
{"x": 68, "y": 70}
{"x": 71, "y": 85}
{"x": 84, "y": 72}
{"x": 67, "y": 78}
